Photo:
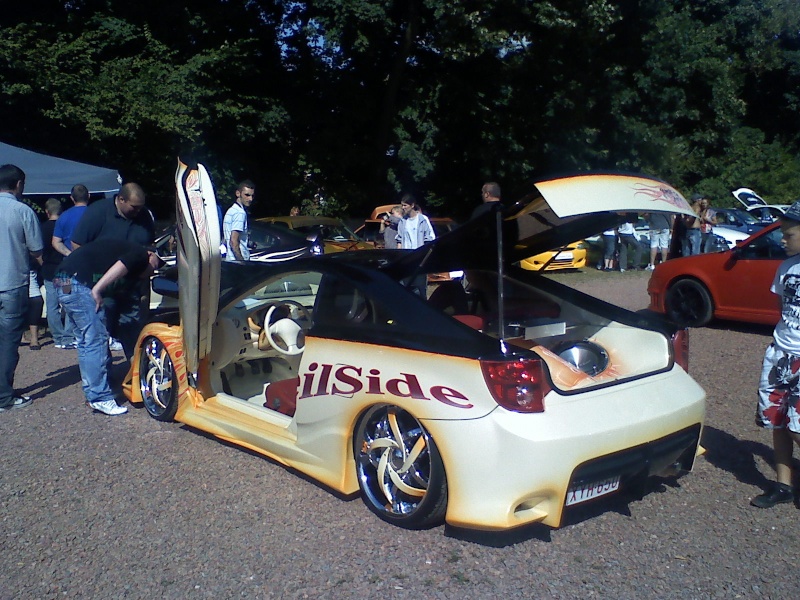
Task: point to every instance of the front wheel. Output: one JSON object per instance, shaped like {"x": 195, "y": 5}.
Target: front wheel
{"x": 688, "y": 303}
{"x": 399, "y": 468}
{"x": 157, "y": 380}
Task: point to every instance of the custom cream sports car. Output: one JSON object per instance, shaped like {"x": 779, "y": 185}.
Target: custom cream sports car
{"x": 489, "y": 405}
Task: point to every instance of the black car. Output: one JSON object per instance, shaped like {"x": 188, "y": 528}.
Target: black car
{"x": 268, "y": 243}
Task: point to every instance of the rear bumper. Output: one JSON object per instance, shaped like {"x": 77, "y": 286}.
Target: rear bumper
{"x": 672, "y": 454}
{"x": 507, "y": 469}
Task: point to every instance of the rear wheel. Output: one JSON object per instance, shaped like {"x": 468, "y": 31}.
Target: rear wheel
{"x": 157, "y": 380}
{"x": 689, "y": 304}
{"x": 399, "y": 468}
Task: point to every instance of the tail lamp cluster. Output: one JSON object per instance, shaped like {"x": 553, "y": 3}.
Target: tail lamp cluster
{"x": 518, "y": 385}
{"x": 680, "y": 348}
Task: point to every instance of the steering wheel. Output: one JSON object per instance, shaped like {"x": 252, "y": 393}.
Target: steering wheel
{"x": 285, "y": 329}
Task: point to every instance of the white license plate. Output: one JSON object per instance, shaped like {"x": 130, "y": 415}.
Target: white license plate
{"x": 566, "y": 255}
{"x": 587, "y": 491}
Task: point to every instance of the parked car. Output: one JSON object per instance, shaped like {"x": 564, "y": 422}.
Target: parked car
{"x": 337, "y": 236}
{"x": 268, "y": 243}
{"x": 738, "y": 219}
{"x": 570, "y": 256}
{"x": 756, "y": 206}
{"x": 768, "y": 213}
{"x": 732, "y": 284}
{"x": 491, "y": 408}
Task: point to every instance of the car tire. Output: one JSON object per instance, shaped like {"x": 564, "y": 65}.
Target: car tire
{"x": 689, "y": 304}
{"x": 157, "y": 380}
{"x": 400, "y": 471}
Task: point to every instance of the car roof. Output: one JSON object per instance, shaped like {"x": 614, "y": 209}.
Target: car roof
{"x": 302, "y": 220}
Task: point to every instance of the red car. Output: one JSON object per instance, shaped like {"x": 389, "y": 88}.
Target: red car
{"x": 733, "y": 284}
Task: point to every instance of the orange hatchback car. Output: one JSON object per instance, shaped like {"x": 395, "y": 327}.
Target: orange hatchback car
{"x": 732, "y": 284}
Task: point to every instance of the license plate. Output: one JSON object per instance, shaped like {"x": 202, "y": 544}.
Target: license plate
{"x": 588, "y": 491}
{"x": 566, "y": 255}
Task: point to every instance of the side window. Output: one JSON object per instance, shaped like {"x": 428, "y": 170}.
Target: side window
{"x": 346, "y": 311}
{"x": 765, "y": 247}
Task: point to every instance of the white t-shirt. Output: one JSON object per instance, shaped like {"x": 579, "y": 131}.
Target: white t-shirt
{"x": 409, "y": 241}
{"x": 787, "y": 285}
{"x": 626, "y": 229}
{"x": 236, "y": 220}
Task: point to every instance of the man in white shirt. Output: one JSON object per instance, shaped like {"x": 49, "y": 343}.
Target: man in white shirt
{"x": 235, "y": 227}
{"x": 414, "y": 230}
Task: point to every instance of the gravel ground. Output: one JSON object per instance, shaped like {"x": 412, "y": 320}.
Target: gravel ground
{"x": 102, "y": 507}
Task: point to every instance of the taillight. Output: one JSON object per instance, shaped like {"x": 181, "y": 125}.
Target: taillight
{"x": 680, "y": 348}
{"x": 518, "y": 385}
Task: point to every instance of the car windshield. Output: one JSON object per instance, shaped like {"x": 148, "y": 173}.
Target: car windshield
{"x": 336, "y": 232}
{"x": 266, "y": 236}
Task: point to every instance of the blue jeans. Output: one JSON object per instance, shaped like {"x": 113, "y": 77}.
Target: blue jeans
{"x": 122, "y": 319}
{"x": 91, "y": 335}
{"x": 692, "y": 245}
{"x": 60, "y": 328}
{"x": 13, "y": 321}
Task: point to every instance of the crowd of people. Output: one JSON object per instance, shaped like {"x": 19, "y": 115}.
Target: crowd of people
{"x": 666, "y": 237}
{"x": 94, "y": 262}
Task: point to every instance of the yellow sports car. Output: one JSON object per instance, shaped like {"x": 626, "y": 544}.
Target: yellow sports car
{"x": 570, "y": 256}
{"x": 337, "y": 236}
{"x": 489, "y": 405}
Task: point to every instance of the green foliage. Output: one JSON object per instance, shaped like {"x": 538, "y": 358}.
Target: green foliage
{"x": 345, "y": 104}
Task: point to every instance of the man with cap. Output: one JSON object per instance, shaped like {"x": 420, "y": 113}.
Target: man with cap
{"x": 93, "y": 272}
{"x": 779, "y": 388}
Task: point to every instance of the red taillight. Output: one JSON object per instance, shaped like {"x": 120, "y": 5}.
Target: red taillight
{"x": 680, "y": 348}
{"x": 518, "y": 385}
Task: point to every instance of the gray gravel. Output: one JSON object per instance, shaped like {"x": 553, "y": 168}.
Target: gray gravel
{"x": 100, "y": 507}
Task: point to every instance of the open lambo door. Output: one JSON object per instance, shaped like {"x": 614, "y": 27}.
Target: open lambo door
{"x": 198, "y": 259}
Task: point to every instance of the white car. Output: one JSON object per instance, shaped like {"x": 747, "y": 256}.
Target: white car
{"x": 492, "y": 406}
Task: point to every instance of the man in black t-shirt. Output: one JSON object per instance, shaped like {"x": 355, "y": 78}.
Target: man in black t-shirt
{"x": 122, "y": 218}
{"x": 98, "y": 270}
{"x": 125, "y": 217}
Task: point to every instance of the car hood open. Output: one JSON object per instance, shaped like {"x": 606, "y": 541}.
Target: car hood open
{"x": 548, "y": 215}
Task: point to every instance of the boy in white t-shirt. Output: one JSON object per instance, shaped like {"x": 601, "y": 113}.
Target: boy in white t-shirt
{"x": 779, "y": 388}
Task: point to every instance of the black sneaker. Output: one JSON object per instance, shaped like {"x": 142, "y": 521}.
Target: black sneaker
{"x": 780, "y": 493}
{"x": 18, "y": 402}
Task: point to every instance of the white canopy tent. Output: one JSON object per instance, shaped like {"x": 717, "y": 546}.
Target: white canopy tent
{"x": 52, "y": 176}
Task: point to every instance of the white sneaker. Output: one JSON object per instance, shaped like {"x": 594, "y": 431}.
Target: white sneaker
{"x": 649, "y": 268}
{"x": 108, "y": 407}
{"x": 114, "y": 345}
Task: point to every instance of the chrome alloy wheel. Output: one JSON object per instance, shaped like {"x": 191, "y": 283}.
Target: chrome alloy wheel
{"x": 399, "y": 468}
{"x": 157, "y": 380}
